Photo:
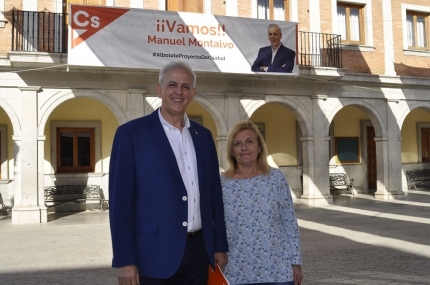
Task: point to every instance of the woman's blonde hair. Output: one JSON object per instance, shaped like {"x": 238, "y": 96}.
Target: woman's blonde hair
{"x": 262, "y": 156}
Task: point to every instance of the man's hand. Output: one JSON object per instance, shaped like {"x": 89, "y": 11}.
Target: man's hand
{"x": 128, "y": 275}
{"x": 221, "y": 259}
{"x": 298, "y": 274}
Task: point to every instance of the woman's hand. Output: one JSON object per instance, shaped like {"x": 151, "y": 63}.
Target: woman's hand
{"x": 221, "y": 259}
{"x": 298, "y": 274}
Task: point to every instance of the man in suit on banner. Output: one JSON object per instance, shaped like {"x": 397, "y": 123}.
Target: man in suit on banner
{"x": 166, "y": 209}
{"x": 276, "y": 57}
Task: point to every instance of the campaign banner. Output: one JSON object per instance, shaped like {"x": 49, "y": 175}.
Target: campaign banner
{"x": 148, "y": 39}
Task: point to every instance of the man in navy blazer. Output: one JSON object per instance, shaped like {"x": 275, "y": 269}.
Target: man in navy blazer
{"x": 166, "y": 209}
{"x": 276, "y": 57}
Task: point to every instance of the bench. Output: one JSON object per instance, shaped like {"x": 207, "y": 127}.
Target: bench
{"x": 60, "y": 194}
{"x": 4, "y": 208}
{"x": 342, "y": 183}
{"x": 417, "y": 177}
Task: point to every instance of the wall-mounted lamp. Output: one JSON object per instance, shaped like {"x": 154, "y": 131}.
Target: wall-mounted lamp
{"x": 320, "y": 97}
{"x": 393, "y": 100}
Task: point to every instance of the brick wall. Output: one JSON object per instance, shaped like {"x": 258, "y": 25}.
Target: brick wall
{"x": 5, "y": 33}
{"x": 150, "y": 4}
{"x": 47, "y": 6}
{"x": 244, "y": 8}
{"x": 218, "y": 7}
{"x": 408, "y": 65}
{"x": 326, "y": 17}
{"x": 372, "y": 60}
{"x": 303, "y": 15}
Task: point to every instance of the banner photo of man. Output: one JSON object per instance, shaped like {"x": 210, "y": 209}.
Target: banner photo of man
{"x": 148, "y": 39}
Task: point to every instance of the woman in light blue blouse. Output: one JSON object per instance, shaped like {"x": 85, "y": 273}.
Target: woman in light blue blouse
{"x": 262, "y": 230}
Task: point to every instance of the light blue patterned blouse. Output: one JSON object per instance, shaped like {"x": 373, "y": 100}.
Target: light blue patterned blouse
{"x": 262, "y": 231}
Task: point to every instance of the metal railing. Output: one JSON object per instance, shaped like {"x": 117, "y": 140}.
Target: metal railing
{"x": 39, "y": 32}
{"x": 47, "y": 32}
{"x": 318, "y": 49}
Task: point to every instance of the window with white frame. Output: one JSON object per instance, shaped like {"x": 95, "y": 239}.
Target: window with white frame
{"x": 350, "y": 19}
{"x": 272, "y": 10}
{"x": 417, "y": 30}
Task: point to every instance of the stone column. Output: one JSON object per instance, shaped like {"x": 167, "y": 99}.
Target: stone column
{"x": 233, "y": 111}
{"x": 316, "y": 188}
{"x": 392, "y": 163}
{"x": 381, "y": 145}
{"x": 221, "y": 142}
{"x": 135, "y": 103}
{"x": 41, "y": 183}
{"x": 308, "y": 169}
{"x": 26, "y": 201}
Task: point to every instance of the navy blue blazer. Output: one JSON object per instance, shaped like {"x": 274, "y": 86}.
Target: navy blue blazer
{"x": 147, "y": 198}
{"x": 283, "y": 56}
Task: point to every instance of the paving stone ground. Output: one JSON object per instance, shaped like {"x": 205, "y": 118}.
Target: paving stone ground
{"x": 357, "y": 240}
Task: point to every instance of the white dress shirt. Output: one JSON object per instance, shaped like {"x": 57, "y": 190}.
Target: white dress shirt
{"x": 183, "y": 148}
{"x": 274, "y": 51}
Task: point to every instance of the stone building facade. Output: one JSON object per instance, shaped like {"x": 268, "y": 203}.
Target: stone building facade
{"x": 375, "y": 106}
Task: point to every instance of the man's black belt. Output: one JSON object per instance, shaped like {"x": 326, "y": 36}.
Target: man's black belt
{"x": 190, "y": 235}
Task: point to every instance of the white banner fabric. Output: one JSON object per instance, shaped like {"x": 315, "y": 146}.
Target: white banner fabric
{"x": 148, "y": 39}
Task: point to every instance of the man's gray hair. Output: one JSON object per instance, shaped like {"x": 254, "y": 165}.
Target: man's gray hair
{"x": 176, "y": 65}
{"x": 275, "y": 26}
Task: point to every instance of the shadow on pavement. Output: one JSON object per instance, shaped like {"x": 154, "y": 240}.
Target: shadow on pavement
{"x": 94, "y": 276}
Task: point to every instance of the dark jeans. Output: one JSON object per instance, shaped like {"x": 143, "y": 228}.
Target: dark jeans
{"x": 193, "y": 269}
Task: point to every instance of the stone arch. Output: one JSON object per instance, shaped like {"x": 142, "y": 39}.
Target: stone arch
{"x": 16, "y": 124}
{"x": 214, "y": 110}
{"x": 105, "y": 98}
{"x": 401, "y": 119}
{"x": 209, "y": 105}
{"x": 370, "y": 111}
{"x": 291, "y": 104}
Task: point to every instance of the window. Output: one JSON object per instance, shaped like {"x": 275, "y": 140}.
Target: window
{"x": 350, "y": 20}
{"x": 347, "y": 149}
{"x": 417, "y": 31}
{"x": 2, "y": 12}
{"x": 75, "y": 150}
{"x": 272, "y": 10}
{"x": 195, "y": 6}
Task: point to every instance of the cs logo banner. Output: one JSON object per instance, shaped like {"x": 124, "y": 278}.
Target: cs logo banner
{"x": 85, "y": 21}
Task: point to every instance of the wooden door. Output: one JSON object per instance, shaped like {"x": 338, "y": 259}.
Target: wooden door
{"x": 371, "y": 158}
{"x": 425, "y": 144}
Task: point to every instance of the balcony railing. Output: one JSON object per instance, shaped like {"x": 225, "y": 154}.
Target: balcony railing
{"x": 47, "y": 32}
{"x": 39, "y": 32}
{"x": 317, "y": 49}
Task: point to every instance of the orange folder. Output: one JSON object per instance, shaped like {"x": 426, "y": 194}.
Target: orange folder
{"x": 217, "y": 277}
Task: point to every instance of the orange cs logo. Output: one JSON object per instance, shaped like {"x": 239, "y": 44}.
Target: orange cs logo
{"x": 88, "y": 20}
{"x": 82, "y": 19}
